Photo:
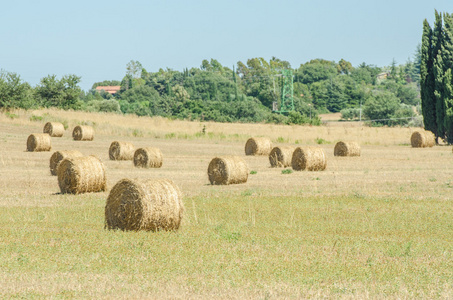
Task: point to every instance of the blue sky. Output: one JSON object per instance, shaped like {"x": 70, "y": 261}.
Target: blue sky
{"x": 96, "y": 39}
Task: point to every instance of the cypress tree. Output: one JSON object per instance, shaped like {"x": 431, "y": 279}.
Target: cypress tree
{"x": 427, "y": 80}
{"x": 447, "y": 84}
{"x": 438, "y": 71}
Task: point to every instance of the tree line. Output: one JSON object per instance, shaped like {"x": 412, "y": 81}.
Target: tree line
{"x": 243, "y": 93}
{"x": 436, "y": 84}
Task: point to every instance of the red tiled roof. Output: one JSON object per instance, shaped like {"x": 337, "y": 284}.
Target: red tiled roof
{"x": 111, "y": 89}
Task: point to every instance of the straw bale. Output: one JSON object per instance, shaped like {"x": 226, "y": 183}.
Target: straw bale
{"x": 54, "y": 129}
{"x": 58, "y": 156}
{"x": 422, "y": 139}
{"x": 346, "y": 149}
{"x": 37, "y": 142}
{"x": 79, "y": 175}
{"x": 148, "y": 158}
{"x": 121, "y": 151}
{"x": 228, "y": 170}
{"x": 258, "y": 146}
{"x": 83, "y": 133}
{"x": 280, "y": 157}
{"x": 309, "y": 158}
{"x": 150, "y": 205}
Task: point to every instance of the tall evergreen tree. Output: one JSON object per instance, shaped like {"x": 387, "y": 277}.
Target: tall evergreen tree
{"x": 447, "y": 84}
{"x": 427, "y": 80}
{"x": 438, "y": 71}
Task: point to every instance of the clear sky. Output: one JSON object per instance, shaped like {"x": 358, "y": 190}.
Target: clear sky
{"x": 96, "y": 39}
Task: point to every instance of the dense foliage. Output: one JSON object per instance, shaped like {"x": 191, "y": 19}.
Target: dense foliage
{"x": 436, "y": 76}
{"x": 244, "y": 93}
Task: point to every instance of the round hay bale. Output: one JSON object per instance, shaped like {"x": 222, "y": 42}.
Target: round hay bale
{"x": 79, "y": 175}
{"x": 346, "y": 149}
{"x": 258, "y": 146}
{"x": 280, "y": 157}
{"x": 309, "y": 158}
{"x": 37, "y": 142}
{"x": 148, "y": 158}
{"x": 228, "y": 170}
{"x": 83, "y": 133}
{"x": 58, "y": 156}
{"x": 54, "y": 129}
{"x": 150, "y": 205}
{"x": 422, "y": 139}
{"x": 121, "y": 151}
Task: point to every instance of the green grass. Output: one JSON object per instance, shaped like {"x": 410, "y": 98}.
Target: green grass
{"x": 253, "y": 245}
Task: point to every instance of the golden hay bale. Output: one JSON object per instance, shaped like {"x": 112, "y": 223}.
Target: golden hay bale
{"x": 148, "y": 158}
{"x": 121, "y": 151}
{"x": 37, "y": 142}
{"x": 54, "y": 129}
{"x": 228, "y": 170}
{"x": 346, "y": 149}
{"x": 150, "y": 205}
{"x": 309, "y": 158}
{"x": 83, "y": 133}
{"x": 58, "y": 156}
{"x": 422, "y": 139}
{"x": 280, "y": 157}
{"x": 81, "y": 175}
{"x": 258, "y": 146}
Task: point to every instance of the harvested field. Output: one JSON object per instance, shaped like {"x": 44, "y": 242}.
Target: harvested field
{"x": 373, "y": 226}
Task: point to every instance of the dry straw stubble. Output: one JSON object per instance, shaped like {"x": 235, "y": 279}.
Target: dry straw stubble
{"x": 280, "y": 157}
{"x": 54, "y": 129}
{"x": 149, "y": 157}
{"x": 422, "y": 139}
{"x": 37, "y": 142}
{"x": 258, "y": 146}
{"x": 346, "y": 149}
{"x": 150, "y": 205}
{"x": 228, "y": 170}
{"x": 83, "y": 133}
{"x": 309, "y": 158}
{"x": 81, "y": 175}
{"x": 58, "y": 156}
{"x": 121, "y": 151}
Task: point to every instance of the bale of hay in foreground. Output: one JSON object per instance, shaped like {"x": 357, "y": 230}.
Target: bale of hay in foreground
{"x": 148, "y": 158}
{"x": 309, "y": 158}
{"x": 346, "y": 149}
{"x": 280, "y": 157}
{"x": 228, "y": 170}
{"x": 37, "y": 142}
{"x": 422, "y": 139}
{"x": 81, "y": 175}
{"x": 150, "y": 205}
{"x": 258, "y": 146}
{"x": 54, "y": 129}
{"x": 58, "y": 156}
{"x": 121, "y": 151}
{"x": 83, "y": 133}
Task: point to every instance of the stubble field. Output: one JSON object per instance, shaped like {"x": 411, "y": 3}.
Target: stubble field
{"x": 378, "y": 225}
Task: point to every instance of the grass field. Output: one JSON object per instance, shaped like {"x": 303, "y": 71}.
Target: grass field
{"x": 379, "y": 225}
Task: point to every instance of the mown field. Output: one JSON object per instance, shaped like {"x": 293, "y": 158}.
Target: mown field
{"x": 379, "y": 225}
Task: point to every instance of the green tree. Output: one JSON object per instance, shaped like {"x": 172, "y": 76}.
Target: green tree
{"x": 14, "y": 93}
{"x": 64, "y": 93}
{"x": 381, "y": 107}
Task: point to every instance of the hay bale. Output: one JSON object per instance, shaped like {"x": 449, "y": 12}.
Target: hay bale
{"x": 228, "y": 170}
{"x": 150, "y": 205}
{"x": 148, "y": 158}
{"x": 121, "y": 151}
{"x": 422, "y": 139}
{"x": 54, "y": 129}
{"x": 309, "y": 158}
{"x": 280, "y": 157}
{"x": 83, "y": 133}
{"x": 37, "y": 142}
{"x": 346, "y": 149}
{"x": 258, "y": 146}
{"x": 81, "y": 175}
{"x": 58, "y": 156}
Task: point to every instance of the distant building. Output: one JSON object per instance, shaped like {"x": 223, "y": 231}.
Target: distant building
{"x": 111, "y": 89}
{"x": 382, "y": 75}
